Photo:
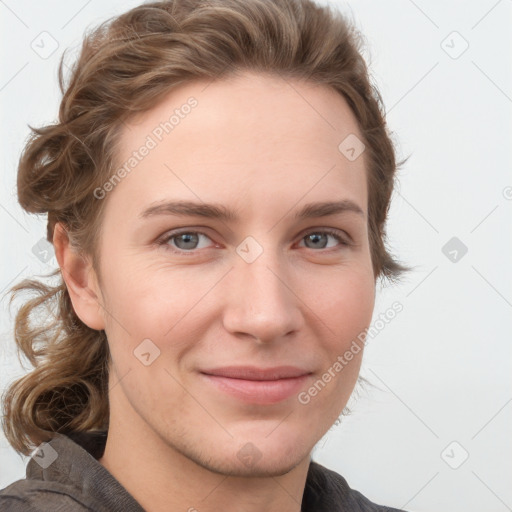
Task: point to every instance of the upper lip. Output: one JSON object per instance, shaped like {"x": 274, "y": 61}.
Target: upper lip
{"x": 254, "y": 373}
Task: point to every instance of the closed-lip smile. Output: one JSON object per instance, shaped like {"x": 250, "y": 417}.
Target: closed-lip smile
{"x": 254, "y": 373}
{"x": 258, "y": 385}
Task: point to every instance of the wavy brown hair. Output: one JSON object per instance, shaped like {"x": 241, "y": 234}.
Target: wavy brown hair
{"x": 126, "y": 65}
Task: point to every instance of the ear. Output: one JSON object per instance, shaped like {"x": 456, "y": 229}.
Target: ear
{"x": 81, "y": 280}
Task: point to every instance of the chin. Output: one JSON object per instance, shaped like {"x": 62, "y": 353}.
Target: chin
{"x": 254, "y": 456}
{"x": 265, "y": 467}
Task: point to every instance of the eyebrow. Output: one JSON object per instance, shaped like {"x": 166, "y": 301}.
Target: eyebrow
{"x": 219, "y": 211}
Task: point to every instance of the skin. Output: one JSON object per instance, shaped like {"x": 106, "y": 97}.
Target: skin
{"x": 173, "y": 437}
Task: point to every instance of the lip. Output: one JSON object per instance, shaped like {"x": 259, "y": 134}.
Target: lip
{"x": 255, "y": 373}
{"x": 258, "y": 385}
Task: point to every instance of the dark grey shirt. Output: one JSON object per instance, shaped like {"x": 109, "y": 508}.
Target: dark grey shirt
{"x": 67, "y": 477}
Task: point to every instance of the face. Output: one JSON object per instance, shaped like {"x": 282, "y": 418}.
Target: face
{"x": 225, "y": 330}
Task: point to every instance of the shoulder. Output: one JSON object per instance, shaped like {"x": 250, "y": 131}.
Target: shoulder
{"x": 29, "y": 496}
{"x": 328, "y": 490}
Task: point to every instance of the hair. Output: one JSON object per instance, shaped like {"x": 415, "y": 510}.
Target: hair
{"x": 127, "y": 64}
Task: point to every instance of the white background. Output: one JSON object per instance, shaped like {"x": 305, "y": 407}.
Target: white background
{"x": 443, "y": 366}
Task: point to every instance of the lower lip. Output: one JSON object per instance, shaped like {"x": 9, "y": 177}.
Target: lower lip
{"x": 258, "y": 391}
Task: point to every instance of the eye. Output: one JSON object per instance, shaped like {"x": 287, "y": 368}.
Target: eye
{"x": 317, "y": 239}
{"x": 188, "y": 241}
{"x": 184, "y": 241}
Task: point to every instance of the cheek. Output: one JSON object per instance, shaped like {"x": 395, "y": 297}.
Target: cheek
{"x": 346, "y": 311}
{"x": 144, "y": 302}
{"x": 345, "y": 304}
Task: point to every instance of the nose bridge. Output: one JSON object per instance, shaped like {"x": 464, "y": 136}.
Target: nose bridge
{"x": 259, "y": 300}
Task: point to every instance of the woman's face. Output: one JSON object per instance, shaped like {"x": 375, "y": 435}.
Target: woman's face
{"x": 187, "y": 296}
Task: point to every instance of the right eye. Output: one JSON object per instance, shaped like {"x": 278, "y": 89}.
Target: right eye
{"x": 183, "y": 241}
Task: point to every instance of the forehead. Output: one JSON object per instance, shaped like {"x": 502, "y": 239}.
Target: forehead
{"x": 239, "y": 139}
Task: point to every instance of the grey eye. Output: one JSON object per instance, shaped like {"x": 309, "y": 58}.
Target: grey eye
{"x": 318, "y": 240}
{"x": 186, "y": 240}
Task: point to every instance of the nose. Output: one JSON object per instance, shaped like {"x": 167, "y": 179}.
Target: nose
{"x": 260, "y": 300}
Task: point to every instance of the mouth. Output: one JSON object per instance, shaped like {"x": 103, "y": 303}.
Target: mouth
{"x": 261, "y": 386}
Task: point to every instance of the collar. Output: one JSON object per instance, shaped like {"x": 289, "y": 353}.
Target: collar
{"x": 77, "y": 472}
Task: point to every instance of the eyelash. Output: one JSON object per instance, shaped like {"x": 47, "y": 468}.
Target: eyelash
{"x": 173, "y": 234}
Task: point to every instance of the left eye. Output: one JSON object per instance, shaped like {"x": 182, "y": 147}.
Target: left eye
{"x": 318, "y": 237}
{"x": 187, "y": 241}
